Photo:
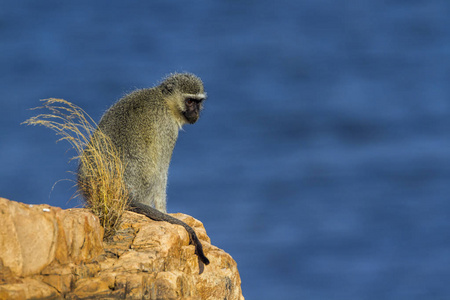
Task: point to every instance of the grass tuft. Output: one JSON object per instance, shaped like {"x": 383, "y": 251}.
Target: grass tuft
{"x": 100, "y": 180}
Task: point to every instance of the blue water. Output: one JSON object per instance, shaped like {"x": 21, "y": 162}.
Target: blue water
{"x": 322, "y": 160}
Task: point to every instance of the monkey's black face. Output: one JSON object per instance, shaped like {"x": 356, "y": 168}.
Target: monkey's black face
{"x": 193, "y": 107}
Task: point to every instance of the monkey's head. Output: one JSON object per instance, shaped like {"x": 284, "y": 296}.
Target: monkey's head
{"x": 185, "y": 94}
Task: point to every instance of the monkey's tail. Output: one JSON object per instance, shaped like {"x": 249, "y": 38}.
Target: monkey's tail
{"x": 156, "y": 215}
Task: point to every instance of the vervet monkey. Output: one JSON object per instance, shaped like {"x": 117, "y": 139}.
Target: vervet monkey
{"x": 144, "y": 127}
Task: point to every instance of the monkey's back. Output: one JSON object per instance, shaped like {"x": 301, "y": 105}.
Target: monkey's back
{"x": 139, "y": 121}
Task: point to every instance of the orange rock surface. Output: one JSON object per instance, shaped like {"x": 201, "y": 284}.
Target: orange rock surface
{"x": 48, "y": 252}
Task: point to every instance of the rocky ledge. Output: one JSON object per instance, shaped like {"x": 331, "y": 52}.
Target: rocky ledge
{"x": 50, "y": 253}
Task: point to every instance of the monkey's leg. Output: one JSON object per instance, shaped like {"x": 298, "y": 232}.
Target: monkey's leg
{"x": 156, "y": 215}
{"x": 144, "y": 185}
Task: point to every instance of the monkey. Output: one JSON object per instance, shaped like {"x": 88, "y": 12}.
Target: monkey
{"x": 144, "y": 126}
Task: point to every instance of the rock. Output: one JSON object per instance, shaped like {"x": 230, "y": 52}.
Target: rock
{"x": 27, "y": 289}
{"x": 34, "y": 236}
{"x": 47, "y": 252}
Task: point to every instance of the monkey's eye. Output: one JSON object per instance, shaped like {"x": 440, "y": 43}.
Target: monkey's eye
{"x": 190, "y": 101}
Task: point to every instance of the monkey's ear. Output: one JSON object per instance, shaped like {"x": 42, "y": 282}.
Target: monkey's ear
{"x": 167, "y": 88}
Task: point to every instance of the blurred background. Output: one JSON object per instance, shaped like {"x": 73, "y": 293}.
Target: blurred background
{"x": 321, "y": 162}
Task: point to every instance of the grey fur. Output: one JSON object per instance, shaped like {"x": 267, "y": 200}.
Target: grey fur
{"x": 144, "y": 128}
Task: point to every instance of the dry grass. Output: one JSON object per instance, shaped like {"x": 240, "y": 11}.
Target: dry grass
{"x": 101, "y": 182}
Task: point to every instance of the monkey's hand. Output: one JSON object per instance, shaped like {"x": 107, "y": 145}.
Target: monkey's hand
{"x": 156, "y": 215}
